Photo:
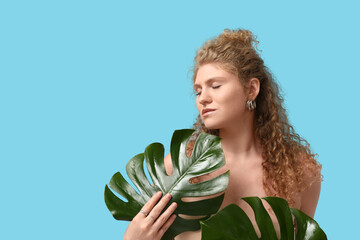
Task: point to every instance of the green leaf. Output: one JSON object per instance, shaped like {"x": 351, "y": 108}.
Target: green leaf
{"x": 307, "y": 228}
{"x": 262, "y": 218}
{"x": 232, "y": 223}
{"x": 283, "y": 215}
{"x": 207, "y": 156}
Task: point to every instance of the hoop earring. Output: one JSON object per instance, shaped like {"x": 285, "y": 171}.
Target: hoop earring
{"x": 251, "y": 105}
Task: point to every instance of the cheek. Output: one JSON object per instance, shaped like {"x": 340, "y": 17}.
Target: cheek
{"x": 230, "y": 97}
{"x": 234, "y": 102}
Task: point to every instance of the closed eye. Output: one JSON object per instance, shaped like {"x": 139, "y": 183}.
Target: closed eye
{"x": 215, "y": 87}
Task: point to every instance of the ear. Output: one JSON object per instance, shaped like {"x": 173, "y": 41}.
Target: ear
{"x": 254, "y": 88}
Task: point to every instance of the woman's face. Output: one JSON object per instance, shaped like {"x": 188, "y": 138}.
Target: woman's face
{"x": 221, "y": 98}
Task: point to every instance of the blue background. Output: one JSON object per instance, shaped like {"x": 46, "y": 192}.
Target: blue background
{"x": 86, "y": 85}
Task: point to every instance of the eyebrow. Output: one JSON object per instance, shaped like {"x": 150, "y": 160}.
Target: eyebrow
{"x": 210, "y": 80}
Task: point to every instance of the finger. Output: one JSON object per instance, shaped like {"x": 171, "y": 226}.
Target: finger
{"x": 166, "y": 226}
{"x": 155, "y": 212}
{"x": 150, "y": 204}
{"x": 163, "y": 218}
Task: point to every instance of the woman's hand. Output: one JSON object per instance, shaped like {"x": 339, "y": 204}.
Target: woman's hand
{"x": 149, "y": 223}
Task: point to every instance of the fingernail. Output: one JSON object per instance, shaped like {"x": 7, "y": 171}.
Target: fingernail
{"x": 174, "y": 204}
{"x": 159, "y": 193}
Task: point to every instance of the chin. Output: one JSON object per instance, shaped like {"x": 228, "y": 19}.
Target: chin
{"x": 211, "y": 126}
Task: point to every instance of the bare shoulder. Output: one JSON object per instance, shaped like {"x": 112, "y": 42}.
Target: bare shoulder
{"x": 310, "y": 196}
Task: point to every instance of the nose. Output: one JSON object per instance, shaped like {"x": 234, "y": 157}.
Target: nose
{"x": 204, "y": 98}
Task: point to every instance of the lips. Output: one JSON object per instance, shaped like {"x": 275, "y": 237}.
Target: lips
{"x": 206, "y": 111}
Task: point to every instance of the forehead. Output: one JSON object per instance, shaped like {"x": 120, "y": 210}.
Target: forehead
{"x": 211, "y": 72}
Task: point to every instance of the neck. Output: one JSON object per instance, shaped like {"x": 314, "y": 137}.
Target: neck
{"x": 239, "y": 139}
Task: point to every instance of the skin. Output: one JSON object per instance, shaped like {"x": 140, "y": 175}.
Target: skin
{"x": 150, "y": 224}
{"x": 224, "y": 93}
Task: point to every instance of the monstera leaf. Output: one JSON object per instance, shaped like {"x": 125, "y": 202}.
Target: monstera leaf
{"x": 207, "y": 156}
{"x": 232, "y": 223}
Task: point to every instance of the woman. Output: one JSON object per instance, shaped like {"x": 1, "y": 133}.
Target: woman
{"x": 239, "y": 101}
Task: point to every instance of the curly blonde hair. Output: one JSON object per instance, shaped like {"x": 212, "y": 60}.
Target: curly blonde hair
{"x": 289, "y": 166}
